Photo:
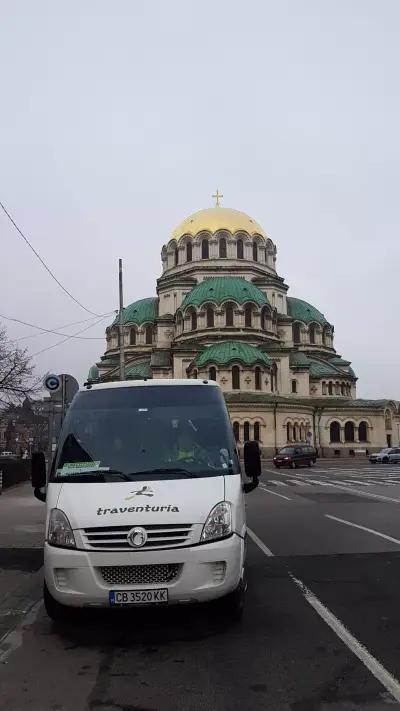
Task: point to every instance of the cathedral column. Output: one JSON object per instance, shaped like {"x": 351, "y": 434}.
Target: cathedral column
{"x": 231, "y": 249}
{"x": 248, "y": 251}
{"x": 196, "y": 251}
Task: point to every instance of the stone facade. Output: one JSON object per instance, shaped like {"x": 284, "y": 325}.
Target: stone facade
{"x": 223, "y": 312}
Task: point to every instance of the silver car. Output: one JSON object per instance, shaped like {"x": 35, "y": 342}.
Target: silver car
{"x": 394, "y": 456}
{"x": 383, "y": 457}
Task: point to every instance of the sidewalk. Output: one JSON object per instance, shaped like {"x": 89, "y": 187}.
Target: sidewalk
{"x": 22, "y": 520}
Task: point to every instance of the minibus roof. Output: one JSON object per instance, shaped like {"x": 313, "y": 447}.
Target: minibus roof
{"x": 168, "y": 382}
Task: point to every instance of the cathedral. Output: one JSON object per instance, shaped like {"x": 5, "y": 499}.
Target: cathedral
{"x": 222, "y": 312}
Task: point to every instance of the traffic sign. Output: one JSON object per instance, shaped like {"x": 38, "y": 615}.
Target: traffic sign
{"x": 52, "y": 383}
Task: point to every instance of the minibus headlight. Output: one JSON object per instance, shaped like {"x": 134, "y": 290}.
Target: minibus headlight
{"x": 219, "y": 522}
{"x": 60, "y": 531}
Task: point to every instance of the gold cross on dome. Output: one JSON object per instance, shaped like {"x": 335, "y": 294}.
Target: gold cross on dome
{"x": 217, "y": 197}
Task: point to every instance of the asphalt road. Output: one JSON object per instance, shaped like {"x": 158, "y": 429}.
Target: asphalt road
{"x": 320, "y": 630}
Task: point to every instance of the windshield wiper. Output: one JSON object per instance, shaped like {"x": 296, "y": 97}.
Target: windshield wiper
{"x": 93, "y": 475}
{"x": 166, "y": 470}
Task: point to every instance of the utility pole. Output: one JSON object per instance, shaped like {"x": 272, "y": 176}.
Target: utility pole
{"x": 121, "y": 327}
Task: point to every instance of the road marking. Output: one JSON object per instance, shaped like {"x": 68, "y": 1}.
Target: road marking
{"x": 364, "y": 528}
{"x": 354, "y": 481}
{"x": 259, "y": 543}
{"x": 369, "y": 494}
{"x": 317, "y": 482}
{"x": 390, "y": 683}
{"x": 375, "y": 667}
{"x": 275, "y": 493}
{"x": 299, "y": 482}
{"x": 278, "y": 483}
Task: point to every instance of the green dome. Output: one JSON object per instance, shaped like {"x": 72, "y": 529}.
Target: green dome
{"x": 224, "y": 353}
{"x": 219, "y": 289}
{"x": 302, "y": 311}
{"x": 93, "y": 373}
{"x": 140, "y": 311}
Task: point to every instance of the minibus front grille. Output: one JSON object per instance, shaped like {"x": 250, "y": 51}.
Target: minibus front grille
{"x": 158, "y": 536}
{"x": 140, "y": 574}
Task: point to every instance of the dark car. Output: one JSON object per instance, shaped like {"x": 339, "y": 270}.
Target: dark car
{"x": 296, "y": 456}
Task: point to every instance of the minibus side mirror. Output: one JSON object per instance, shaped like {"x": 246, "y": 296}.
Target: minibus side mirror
{"x": 252, "y": 464}
{"x": 38, "y": 472}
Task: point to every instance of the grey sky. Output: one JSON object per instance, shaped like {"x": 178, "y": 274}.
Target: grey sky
{"x": 118, "y": 119}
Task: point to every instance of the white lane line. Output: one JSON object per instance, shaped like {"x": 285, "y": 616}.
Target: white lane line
{"x": 353, "y": 481}
{"x": 317, "y": 482}
{"x": 278, "y": 483}
{"x": 368, "y": 494}
{"x": 364, "y": 528}
{"x": 259, "y": 543}
{"x": 299, "y": 482}
{"x": 275, "y": 493}
{"x": 388, "y": 681}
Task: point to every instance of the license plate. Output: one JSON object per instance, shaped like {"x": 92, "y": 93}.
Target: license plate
{"x": 138, "y": 597}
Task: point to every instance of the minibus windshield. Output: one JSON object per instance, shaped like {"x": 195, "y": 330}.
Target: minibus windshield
{"x": 146, "y": 432}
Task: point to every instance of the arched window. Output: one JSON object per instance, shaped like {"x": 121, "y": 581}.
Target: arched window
{"x": 194, "y": 320}
{"x": 349, "y": 432}
{"x": 363, "y": 432}
{"x": 324, "y": 390}
{"x": 189, "y": 252}
{"x": 235, "y": 377}
{"x": 302, "y": 433}
{"x": 176, "y": 256}
{"x": 236, "y": 431}
{"x": 257, "y": 431}
{"x": 257, "y": 378}
{"x": 149, "y": 334}
{"x": 348, "y": 388}
{"x": 296, "y": 432}
{"x": 289, "y": 432}
{"x": 296, "y": 333}
{"x": 330, "y": 388}
{"x": 312, "y": 334}
{"x": 229, "y": 315}
{"x": 246, "y": 431}
{"x": 248, "y": 316}
{"x": 212, "y": 373}
{"x": 239, "y": 249}
{"x": 194, "y": 374}
{"x": 294, "y": 386}
{"x": 222, "y": 248}
{"x": 334, "y": 431}
{"x": 255, "y": 251}
{"x": 132, "y": 337}
{"x": 205, "y": 249}
{"x": 210, "y": 317}
{"x": 342, "y": 389}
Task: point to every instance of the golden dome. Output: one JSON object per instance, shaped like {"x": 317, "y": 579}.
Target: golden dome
{"x": 217, "y": 218}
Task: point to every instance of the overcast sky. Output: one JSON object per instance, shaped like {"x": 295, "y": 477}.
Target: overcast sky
{"x": 118, "y": 119}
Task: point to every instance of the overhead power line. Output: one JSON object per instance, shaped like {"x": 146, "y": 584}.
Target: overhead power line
{"x": 44, "y": 263}
{"x": 59, "y": 328}
{"x": 57, "y": 333}
{"x": 73, "y": 335}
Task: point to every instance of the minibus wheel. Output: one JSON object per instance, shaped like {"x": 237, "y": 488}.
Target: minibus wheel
{"x": 55, "y": 610}
{"x": 233, "y": 604}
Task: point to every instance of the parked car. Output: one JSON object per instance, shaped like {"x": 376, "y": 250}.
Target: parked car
{"x": 383, "y": 457}
{"x": 295, "y": 456}
{"x": 394, "y": 456}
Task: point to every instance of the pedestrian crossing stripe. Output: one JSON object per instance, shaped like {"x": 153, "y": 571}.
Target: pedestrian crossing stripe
{"x": 319, "y": 482}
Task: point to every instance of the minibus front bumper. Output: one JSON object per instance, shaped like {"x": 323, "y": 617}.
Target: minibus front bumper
{"x": 82, "y": 578}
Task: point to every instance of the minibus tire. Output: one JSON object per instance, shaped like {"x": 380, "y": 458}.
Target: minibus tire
{"x": 233, "y": 604}
{"x": 55, "y": 610}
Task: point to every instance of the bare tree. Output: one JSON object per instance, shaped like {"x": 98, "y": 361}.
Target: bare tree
{"x": 17, "y": 379}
